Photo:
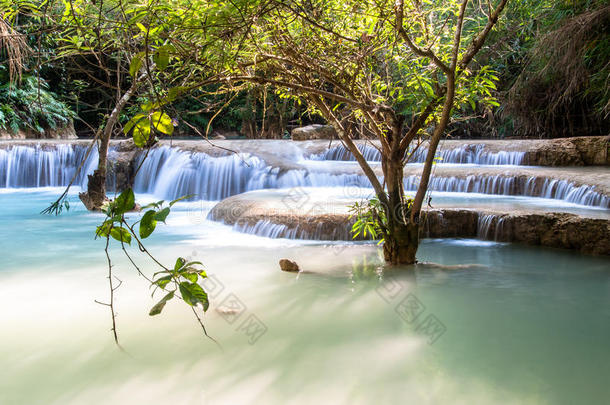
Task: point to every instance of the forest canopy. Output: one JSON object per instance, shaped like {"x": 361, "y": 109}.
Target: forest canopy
{"x": 542, "y": 91}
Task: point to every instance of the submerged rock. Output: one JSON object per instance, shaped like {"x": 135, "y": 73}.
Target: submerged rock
{"x": 289, "y": 265}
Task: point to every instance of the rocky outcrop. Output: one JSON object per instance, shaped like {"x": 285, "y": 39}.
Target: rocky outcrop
{"x": 314, "y": 131}
{"x": 581, "y": 151}
{"x": 122, "y": 164}
{"x": 66, "y": 132}
{"x": 551, "y": 229}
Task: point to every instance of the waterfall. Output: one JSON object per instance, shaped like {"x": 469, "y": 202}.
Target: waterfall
{"x": 477, "y": 154}
{"x": 269, "y": 229}
{"x": 369, "y": 152}
{"x": 41, "y": 166}
{"x": 516, "y": 185}
{"x": 171, "y": 173}
{"x": 465, "y": 154}
{"x": 490, "y": 226}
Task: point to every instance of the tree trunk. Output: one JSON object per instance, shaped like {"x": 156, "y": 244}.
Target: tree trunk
{"x": 95, "y": 196}
{"x": 400, "y": 247}
{"x": 402, "y": 235}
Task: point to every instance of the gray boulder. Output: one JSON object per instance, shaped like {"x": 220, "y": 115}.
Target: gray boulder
{"x": 315, "y": 131}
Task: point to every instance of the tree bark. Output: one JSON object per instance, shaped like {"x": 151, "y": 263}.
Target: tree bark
{"x": 401, "y": 238}
{"x": 95, "y": 196}
{"x": 400, "y": 247}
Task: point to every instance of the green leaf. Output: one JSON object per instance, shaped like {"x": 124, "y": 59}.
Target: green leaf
{"x": 161, "y": 58}
{"x": 103, "y": 230}
{"x": 121, "y": 234}
{"x": 187, "y": 296}
{"x": 193, "y": 263}
{"x": 162, "y": 215}
{"x": 141, "y": 133}
{"x": 132, "y": 122}
{"x": 192, "y": 293}
{"x": 149, "y": 106}
{"x": 126, "y": 201}
{"x": 135, "y": 65}
{"x": 179, "y": 264}
{"x": 142, "y": 27}
{"x": 154, "y": 204}
{"x": 175, "y": 92}
{"x": 163, "y": 281}
{"x": 184, "y": 197}
{"x": 158, "y": 307}
{"x": 192, "y": 277}
{"x": 162, "y": 122}
{"x": 147, "y": 224}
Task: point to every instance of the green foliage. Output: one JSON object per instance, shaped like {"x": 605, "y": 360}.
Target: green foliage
{"x": 180, "y": 281}
{"x": 29, "y": 105}
{"x": 563, "y": 90}
{"x": 183, "y": 278}
{"x": 370, "y": 219}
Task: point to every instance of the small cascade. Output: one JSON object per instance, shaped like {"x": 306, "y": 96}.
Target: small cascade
{"x": 478, "y": 154}
{"x": 465, "y": 154}
{"x": 516, "y": 185}
{"x": 268, "y": 229}
{"x": 340, "y": 152}
{"x": 41, "y": 166}
{"x": 171, "y": 173}
{"x": 319, "y": 230}
{"x": 490, "y": 227}
{"x": 567, "y": 191}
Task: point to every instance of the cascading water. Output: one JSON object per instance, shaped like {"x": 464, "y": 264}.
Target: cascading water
{"x": 465, "y": 154}
{"x": 369, "y": 152}
{"x": 171, "y": 173}
{"x": 269, "y": 229}
{"x": 490, "y": 226}
{"x": 40, "y": 166}
{"x": 516, "y": 185}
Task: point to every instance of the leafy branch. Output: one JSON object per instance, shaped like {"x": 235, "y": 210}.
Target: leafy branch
{"x": 180, "y": 281}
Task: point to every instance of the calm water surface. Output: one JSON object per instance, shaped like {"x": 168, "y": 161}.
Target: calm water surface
{"x": 518, "y": 325}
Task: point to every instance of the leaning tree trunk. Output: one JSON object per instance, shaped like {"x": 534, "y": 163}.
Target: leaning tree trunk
{"x": 95, "y": 196}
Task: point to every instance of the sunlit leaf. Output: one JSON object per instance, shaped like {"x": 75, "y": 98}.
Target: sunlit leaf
{"x": 126, "y": 201}
{"x": 121, "y": 234}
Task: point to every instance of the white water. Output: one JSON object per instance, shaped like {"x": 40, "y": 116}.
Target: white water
{"x": 488, "y": 222}
{"x": 172, "y": 173}
{"x": 465, "y": 154}
{"x": 42, "y": 166}
{"x": 511, "y": 185}
{"x": 335, "y": 201}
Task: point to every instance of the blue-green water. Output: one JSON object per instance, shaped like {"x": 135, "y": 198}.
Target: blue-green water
{"x": 519, "y": 325}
